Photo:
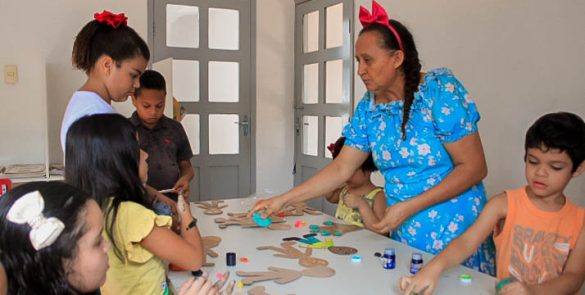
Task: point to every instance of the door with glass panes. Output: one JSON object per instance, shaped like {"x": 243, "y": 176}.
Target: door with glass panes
{"x": 323, "y": 83}
{"x": 206, "y": 45}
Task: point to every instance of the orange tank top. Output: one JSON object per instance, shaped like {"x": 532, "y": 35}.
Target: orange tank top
{"x": 533, "y": 245}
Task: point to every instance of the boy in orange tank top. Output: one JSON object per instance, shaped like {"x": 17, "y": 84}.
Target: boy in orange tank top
{"x": 538, "y": 231}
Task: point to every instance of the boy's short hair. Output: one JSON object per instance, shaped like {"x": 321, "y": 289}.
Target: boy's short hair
{"x": 151, "y": 80}
{"x": 563, "y": 131}
{"x": 335, "y": 149}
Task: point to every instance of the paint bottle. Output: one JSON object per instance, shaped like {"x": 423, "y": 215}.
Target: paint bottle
{"x": 416, "y": 263}
{"x": 389, "y": 258}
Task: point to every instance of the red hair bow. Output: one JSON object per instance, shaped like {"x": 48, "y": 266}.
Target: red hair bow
{"x": 114, "y": 20}
{"x": 331, "y": 147}
{"x": 378, "y": 16}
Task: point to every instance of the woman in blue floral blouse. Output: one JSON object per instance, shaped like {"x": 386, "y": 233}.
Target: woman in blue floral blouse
{"x": 421, "y": 129}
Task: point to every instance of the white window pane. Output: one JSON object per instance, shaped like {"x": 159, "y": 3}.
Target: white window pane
{"x": 311, "y": 83}
{"x": 224, "y": 28}
{"x": 311, "y": 31}
{"x": 182, "y": 26}
{"x": 333, "y": 128}
{"x": 310, "y": 135}
{"x": 186, "y": 80}
{"x": 334, "y": 26}
{"x": 191, "y": 124}
{"x": 224, "y": 135}
{"x": 334, "y": 81}
{"x": 224, "y": 81}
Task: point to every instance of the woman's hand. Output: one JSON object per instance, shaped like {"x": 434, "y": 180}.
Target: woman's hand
{"x": 423, "y": 283}
{"x": 353, "y": 201}
{"x": 198, "y": 286}
{"x": 394, "y": 216}
{"x": 268, "y": 206}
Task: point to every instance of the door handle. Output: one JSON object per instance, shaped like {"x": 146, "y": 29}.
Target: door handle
{"x": 245, "y": 124}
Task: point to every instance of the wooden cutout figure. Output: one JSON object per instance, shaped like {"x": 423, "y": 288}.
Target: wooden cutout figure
{"x": 318, "y": 272}
{"x": 258, "y": 290}
{"x": 211, "y": 207}
{"x": 342, "y": 250}
{"x": 288, "y": 251}
{"x": 246, "y": 222}
{"x": 298, "y": 209}
{"x": 284, "y": 275}
{"x": 276, "y": 274}
{"x": 208, "y": 243}
{"x": 339, "y": 227}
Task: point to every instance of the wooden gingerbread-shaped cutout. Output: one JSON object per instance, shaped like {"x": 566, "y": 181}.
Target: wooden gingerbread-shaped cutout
{"x": 288, "y": 251}
{"x": 298, "y": 209}
{"x": 212, "y": 207}
{"x": 208, "y": 243}
{"x": 341, "y": 228}
{"x": 248, "y": 222}
{"x": 276, "y": 274}
{"x": 258, "y": 290}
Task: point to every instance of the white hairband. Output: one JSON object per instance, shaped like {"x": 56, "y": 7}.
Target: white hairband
{"x": 29, "y": 209}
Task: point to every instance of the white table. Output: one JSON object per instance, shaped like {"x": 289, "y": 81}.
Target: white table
{"x": 366, "y": 277}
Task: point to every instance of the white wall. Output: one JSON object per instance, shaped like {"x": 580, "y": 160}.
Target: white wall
{"x": 40, "y": 41}
{"x": 518, "y": 59}
{"x": 274, "y": 95}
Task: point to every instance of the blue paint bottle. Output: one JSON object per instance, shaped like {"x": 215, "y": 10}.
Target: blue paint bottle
{"x": 416, "y": 263}
{"x": 389, "y": 258}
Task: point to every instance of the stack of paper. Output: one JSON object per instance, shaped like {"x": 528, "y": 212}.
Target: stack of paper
{"x": 56, "y": 169}
{"x": 24, "y": 171}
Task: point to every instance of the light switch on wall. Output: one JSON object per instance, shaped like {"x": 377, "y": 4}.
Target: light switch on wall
{"x": 10, "y": 74}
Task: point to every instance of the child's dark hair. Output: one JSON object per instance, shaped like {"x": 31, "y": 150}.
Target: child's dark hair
{"x": 561, "y": 131}
{"x": 43, "y": 271}
{"x": 97, "y": 39}
{"x": 411, "y": 65}
{"x": 335, "y": 149}
{"x": 151, "y": 80}
{"x": 102, "y": 158}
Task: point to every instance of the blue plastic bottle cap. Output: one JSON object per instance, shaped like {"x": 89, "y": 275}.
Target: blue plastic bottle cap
{"x": 356, "y": 258}
{"x": 465, "y": 278}
{"x": 230, "y": 258}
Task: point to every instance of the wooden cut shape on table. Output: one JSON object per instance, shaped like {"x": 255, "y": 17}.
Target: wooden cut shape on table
{"x": 276, "y": 274}
{"x": 318, "y": 272}
{"x": 342, "y": 250}
{"x": 212, "y": 207}
{"x": 298, "y": 209}
{"x": 247, "y": 222}
{"x": 288, "y": 251}
{"x": 258, "y": 290}
{"x": 208, "y": 243}
{"x": 339, "y": 227}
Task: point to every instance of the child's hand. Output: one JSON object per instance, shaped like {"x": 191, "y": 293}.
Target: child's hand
{"x": 423, "y": 283}
{"x": 182, "y": 185}
{"x": 353, "y": 201}
{"x": 183, "y": 205}
{"x": 515, "y": 288}
{"x": 198, "y": 286}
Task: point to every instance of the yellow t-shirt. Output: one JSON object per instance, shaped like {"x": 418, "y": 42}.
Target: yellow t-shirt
{"x": 352, "y": 215}
{"x": 139, "y": 271}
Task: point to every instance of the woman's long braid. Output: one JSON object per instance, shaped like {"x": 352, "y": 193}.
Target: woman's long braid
{"x": 410, "y": 66}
